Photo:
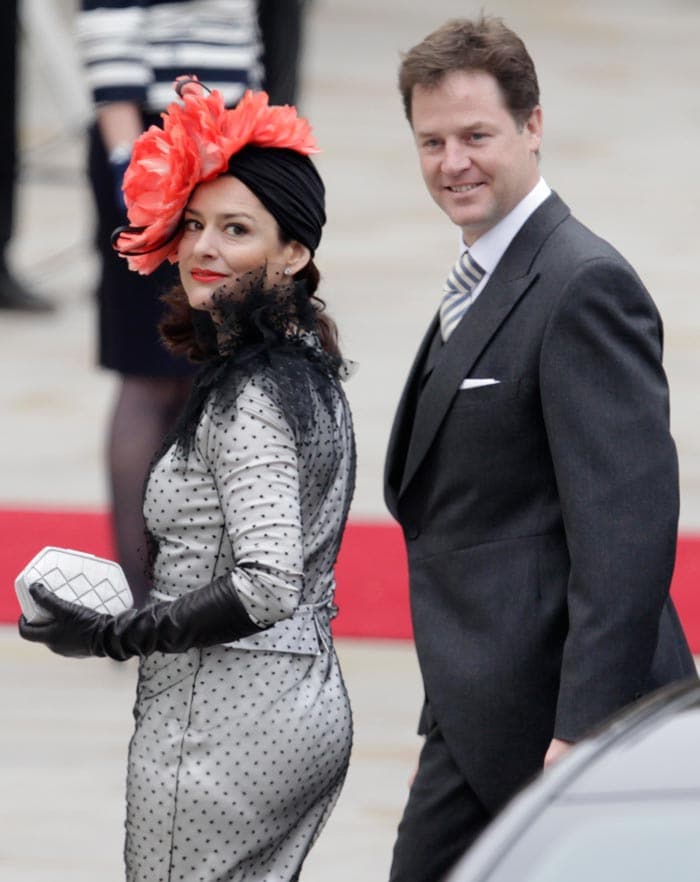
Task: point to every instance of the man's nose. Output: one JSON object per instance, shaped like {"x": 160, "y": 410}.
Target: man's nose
{"x": 456, "y": 157}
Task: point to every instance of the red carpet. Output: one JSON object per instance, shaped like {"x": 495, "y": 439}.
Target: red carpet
{"x": 372, "y": 590}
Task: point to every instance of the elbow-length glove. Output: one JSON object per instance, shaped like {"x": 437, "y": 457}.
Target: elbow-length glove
{"x": 204, "y": 617}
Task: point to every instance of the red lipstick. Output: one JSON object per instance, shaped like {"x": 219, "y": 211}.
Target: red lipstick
{"x": 205, "y": 276}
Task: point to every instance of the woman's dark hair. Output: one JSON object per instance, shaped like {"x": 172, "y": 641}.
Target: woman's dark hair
{"x": 485, "y": 44}
{"x": 179, "y": 332}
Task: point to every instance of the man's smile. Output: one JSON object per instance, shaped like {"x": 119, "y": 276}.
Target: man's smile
{"x": 464, "y": 188}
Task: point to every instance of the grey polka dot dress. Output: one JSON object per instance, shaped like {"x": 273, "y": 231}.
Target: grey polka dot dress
{"x": 240, "y": 750}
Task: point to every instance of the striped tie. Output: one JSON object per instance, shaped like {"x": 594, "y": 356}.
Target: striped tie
{"x": 458, "y": 293}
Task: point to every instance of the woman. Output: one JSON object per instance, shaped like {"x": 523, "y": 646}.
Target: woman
{"x": 129, "y": 50}
{"x": 243, "y": 725}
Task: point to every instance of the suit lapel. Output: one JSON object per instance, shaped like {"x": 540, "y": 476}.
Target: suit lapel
{"x": 403, "y": 420}
{"x": 510, "y": 282}
{"x": 464, "y": 347}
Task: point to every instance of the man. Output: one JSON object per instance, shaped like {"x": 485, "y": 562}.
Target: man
{"x": 530, "y": 464}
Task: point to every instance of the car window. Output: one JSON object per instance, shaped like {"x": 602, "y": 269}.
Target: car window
{"x": 640, "y": 841}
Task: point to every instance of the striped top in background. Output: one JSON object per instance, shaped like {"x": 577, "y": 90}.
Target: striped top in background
{"x": 132, "y": 51}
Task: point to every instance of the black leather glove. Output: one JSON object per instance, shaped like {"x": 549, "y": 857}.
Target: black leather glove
{"x": 204, "y": 617}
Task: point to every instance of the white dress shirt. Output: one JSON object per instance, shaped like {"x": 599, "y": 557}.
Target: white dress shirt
{"x": 490, "y": 248}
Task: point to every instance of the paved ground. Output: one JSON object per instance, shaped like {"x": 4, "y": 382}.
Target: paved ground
{"x": 622, "y": 114}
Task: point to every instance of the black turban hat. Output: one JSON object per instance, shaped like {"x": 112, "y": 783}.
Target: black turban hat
{"x": 288, "y": 185}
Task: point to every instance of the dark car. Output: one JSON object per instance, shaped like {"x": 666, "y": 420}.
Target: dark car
{"x": 622, "y": 806}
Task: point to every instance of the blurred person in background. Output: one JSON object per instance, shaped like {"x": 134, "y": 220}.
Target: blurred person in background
{"x": 243, "y": 727}
{"x": 281, "y": 24}
{"x": 530, "y": 465}
{"x": 131, "y": 52}
{"x": 13, "y": 293}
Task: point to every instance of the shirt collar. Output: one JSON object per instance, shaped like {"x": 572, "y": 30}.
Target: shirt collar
{"x": 490, "y": 248}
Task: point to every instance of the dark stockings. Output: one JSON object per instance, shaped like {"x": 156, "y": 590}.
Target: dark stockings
{"x": 145, "y": 409}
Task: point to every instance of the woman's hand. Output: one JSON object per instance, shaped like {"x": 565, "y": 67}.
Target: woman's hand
{"x": 71, "y": 630}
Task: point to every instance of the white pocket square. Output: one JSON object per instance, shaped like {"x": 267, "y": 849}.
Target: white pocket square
{"x": 473, "y": 382}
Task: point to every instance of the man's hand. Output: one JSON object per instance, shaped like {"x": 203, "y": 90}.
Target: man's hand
{"x": 556, "y": 749}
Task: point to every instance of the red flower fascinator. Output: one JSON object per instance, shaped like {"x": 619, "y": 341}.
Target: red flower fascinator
{"x": 197, "y": 140}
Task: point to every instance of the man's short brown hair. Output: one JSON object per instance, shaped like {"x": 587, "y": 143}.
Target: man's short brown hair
{"x": 484, "y": 44}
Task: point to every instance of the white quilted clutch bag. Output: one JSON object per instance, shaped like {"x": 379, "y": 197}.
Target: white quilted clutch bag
{"x": 76, "y": 576}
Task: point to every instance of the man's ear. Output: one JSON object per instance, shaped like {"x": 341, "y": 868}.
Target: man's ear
{"x": 533, "y": 127}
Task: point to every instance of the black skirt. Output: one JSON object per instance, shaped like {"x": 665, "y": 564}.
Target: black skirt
{"x": 129, "y": 305}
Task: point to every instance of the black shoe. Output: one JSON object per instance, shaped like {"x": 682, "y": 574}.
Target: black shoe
{"x": 13, "y": 295}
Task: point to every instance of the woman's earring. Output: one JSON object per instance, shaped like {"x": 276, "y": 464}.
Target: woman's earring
{"x": 287, "y": 271}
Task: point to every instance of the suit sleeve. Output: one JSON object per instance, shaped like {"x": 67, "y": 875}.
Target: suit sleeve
{"x": 605, "y": 404}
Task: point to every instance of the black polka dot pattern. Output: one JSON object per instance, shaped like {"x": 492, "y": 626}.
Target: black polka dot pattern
{"x": 240, "y": 751}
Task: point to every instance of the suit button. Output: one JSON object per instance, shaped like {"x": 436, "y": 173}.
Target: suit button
{"x": 412, "y": 532}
